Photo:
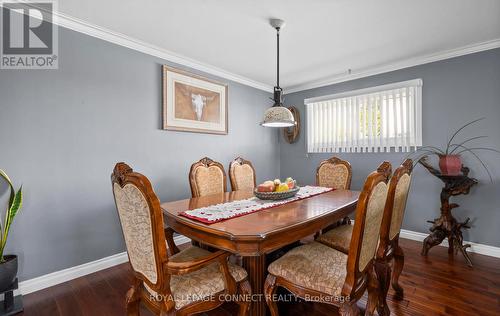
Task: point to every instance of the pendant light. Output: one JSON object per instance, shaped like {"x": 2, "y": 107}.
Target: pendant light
{"x": 278, "y": 115}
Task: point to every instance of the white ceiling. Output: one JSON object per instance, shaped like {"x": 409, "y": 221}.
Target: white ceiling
{"x": 322, "y": 38}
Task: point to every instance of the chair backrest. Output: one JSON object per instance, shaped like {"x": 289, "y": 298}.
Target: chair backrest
{"x": 142, "y": 224}
{"x": 207, "y": 177}
{"x": 397, "y": 194}
{"x": 334, "y": 173}
{"x": 366, "y": 230}
{"x": 241, "y": 175}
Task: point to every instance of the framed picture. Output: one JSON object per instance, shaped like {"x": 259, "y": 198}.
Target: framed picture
{"x": 193, "y": 103}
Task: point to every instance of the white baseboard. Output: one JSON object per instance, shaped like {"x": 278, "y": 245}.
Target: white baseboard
{"x": 475, "y": 247}
{"x": 68, "y": 274}
{"x": 65, "y": 275}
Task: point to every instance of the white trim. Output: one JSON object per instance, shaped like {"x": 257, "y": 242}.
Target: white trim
{"x": 475, "y": 247}
{"x": 69, "y": 22}
{"x": 411, "y": 62}
{"x": 390, "y": 86}
{"x": 54, "y": 278}
{"x": 65, "y": 275}
{"x": 81, "y": 26}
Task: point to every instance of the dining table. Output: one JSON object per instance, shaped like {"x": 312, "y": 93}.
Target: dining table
{"x": 254, "y": 235}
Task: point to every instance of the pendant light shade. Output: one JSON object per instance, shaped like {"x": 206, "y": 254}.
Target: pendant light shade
{"x": 278, "y": 115}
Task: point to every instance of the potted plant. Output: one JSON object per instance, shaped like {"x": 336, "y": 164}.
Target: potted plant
{"x": 450, "y": 161}
{"x": 8, "y": 263}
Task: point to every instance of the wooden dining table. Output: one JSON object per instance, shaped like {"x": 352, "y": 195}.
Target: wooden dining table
{"x": 254, "y": 235}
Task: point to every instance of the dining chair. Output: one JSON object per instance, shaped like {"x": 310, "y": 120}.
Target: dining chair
{"x": 339, "y": 238}
{"x": 337, "y": 174}
{"x": 207, "y": 177}
{"x": 168, "y": 281}
{"x": 318, "y": 272}
{"x": 241, "y": 175}
{"x": 334, "y": 173}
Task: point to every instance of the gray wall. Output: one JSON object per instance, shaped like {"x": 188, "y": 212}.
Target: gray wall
{"x": 62, "y": 131}
{"x": 455, "y": 91}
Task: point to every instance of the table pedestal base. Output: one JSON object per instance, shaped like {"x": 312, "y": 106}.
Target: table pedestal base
{"x": 256, "y": 268}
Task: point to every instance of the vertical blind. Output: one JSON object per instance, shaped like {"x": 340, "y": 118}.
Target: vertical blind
{"x": 367, "y": 120}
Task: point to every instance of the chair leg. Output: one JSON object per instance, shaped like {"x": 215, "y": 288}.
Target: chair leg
{"x": 133, "y": 299}
{"x": 383, "y": 271}
{"x": 269, "y": 290}
{"x": 349, "y": 309}
{"x": 399, "y": 261}
{"x": 373, "y": 293}
{"x": 346, "y": 221}
{"x": 244, "y": 291}
{"x": 164, "y": 312}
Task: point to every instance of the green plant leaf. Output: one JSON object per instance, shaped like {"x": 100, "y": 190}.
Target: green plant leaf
{"x": 477, "y": 157}
{"x": 12, "y": 212}
{"x": 432, "y": 148}
{"x": 464, "y": 142}
{"x": 479, "y": 148}
{"x": 458, "y": 131}
{"x": 16, "y": 206}
{"x": 6, "y": 177}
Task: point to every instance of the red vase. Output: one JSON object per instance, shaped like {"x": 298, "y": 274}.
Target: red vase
{"x": 450, "y": 165}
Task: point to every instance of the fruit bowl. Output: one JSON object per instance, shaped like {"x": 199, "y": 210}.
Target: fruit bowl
{"x": 276, "y": 195}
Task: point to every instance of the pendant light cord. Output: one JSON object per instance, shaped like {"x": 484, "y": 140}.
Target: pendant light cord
{"x": 278, "y": 57}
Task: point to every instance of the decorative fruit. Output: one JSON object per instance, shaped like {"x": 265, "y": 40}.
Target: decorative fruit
{"x": 290, "y": 182}
{"x": 277, "y": 181}
{"x": 267, "y": 186}
{"x": 282, "y": 187}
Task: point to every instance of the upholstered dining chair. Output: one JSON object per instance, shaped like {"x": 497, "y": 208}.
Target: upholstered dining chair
{"x": 330, "y": 276}
{"x": 207, "y": 177}
{"x": 241, "y": 175}
{"x": 168, "y": 281}
{"x": 339, "y": 238}
{"x": 337, "y": 174}
{"x": 334, "y": 173}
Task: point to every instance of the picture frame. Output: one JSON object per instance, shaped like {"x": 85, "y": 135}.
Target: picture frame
{"x": 192, "y": 103}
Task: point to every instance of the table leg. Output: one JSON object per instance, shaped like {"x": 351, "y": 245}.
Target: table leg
{"x": 256, "y": 268}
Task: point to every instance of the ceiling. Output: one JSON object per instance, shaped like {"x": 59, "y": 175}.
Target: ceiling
{"x": 321, "y": 41}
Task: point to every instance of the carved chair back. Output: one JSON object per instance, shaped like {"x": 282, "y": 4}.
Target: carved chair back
{"x": 397, "y": 194}
{"x": 141, "y": 219}
{"x": 241, "y": 175}
{"x": 334, "y": 173}
{"x": 207, "y": 177}
{"x": 366, "y": 230}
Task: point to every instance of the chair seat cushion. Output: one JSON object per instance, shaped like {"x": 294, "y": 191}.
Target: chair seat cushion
{"x": 313, "y": 266}
{"x": 338, "y": 238}
{"x": 199, "y": 284}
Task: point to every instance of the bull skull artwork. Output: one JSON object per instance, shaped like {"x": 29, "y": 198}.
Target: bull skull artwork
{"x": 198, "y": 101}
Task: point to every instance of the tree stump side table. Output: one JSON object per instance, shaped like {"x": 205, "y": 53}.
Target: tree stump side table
{"x": 446, "y": 226}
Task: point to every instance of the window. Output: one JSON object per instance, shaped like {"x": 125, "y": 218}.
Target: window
{"x": 366, "y": 120}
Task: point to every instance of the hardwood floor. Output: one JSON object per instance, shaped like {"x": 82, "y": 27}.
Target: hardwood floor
{"x": 437, "y": 285}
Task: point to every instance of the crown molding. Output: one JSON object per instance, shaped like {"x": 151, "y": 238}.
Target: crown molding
{"x": 411, "y": 62}
{"x": 80, "y": 26}
{"x": 140, "y": 46}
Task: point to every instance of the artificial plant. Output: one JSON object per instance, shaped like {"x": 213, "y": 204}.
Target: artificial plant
{"x": 454, "y": 147}
{"x": 13, "y": 207}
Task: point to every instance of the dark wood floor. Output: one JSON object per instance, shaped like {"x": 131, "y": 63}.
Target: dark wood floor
{"x": 437, "y": 285}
